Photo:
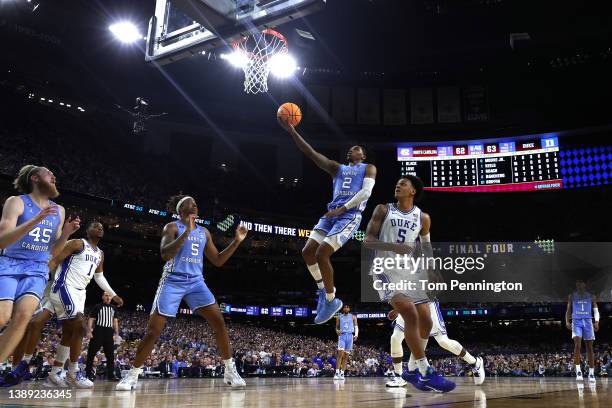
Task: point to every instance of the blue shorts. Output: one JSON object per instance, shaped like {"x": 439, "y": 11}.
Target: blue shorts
{"x": 345, "y": 342}
{"x": 20, "y": 277}
{"x": 336, "y": 231}
{"x": 173, "y": 287}
{"x": 583, "y": 328}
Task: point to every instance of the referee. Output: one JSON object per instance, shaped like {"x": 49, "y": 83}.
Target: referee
{"x": 107, "y": 327}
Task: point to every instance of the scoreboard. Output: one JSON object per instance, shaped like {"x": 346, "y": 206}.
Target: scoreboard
{"x": 515, "y": 165}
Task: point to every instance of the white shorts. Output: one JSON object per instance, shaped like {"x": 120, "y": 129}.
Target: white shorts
{"x": 66, "y": 302}
{"x": 437, "y": 329}
{"x": 387, "y": 285}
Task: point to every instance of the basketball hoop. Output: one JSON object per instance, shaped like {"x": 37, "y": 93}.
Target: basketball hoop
{"x": 257, "y": 51}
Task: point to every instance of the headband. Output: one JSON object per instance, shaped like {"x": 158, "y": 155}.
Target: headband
{"x": 181, "y": 201}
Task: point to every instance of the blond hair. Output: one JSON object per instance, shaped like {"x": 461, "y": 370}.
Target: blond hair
{"x": 23, "y": 181}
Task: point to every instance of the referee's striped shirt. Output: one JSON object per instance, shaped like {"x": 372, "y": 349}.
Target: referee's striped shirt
{"x": 104, "y": 315}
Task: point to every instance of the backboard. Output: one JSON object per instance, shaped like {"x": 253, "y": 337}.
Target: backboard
{"x": 182, "y": 28}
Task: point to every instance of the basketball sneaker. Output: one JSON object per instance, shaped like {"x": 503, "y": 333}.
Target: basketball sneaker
{"x": 231, "y": 376}
{"x": 17, "y": 375}
{"x": 396, "y": 381}
{"x": 128, "y": 383}
{"x": 320, "y": 298}
{"x": 56, "y": 380}
{"x": 479, "y": 371}
{"x": 78, "y": 380}
{"x": 579, "y": 376}
{"x": 413, "y": 377}
{"x": 435, "y": 382}
{"x": 341, "y": 376}
{"x": 592, "y": 378}
{"x": 328, "y": 310}
{"x": 337, "y": 375}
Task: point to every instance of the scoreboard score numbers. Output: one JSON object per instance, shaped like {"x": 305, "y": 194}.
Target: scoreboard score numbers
{"x": 517, "y": 165}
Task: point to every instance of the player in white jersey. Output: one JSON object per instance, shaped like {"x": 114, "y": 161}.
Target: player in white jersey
{"x": 438, "y": 332}
{"x": 392, "y": 232}
{"x": 79, "y": 262}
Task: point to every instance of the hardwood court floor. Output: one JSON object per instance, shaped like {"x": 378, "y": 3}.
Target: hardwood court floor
{"x": 324, "y": 393}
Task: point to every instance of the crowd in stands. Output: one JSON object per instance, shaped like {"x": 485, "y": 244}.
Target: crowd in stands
{"x": 187, "y": 349}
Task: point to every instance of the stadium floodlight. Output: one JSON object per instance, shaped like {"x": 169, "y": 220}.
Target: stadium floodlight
{"x": 282, "y": 65}
{"x": 237, "y": 59}
{"x": 125, "y": 32}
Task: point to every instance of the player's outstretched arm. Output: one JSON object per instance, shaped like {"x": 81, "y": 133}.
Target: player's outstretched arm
{"x": 219, "y": 258}
{"x": 73, "y": 246}
{"x": 371, "y": 240}
{"x": 568, "y": 313}
{"x": 10, "y": 232}
{"x": 103, "y": 283}
{"x": 322, "y": 162}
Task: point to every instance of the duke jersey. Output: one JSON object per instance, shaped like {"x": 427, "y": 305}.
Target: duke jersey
{"x": 399, "y": 227}
{"x": 77, "y": 270}
{"x": 36, "y": 244}
{"x": 190, "y": 258}
{"x": 582, "y": 305}
{"x": 346, "y": 323}
{"x": 347, "y": 182}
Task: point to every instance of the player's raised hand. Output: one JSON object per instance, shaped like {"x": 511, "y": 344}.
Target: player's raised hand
{"x": 72, "y": 225}
{"x": 241, "y": 233}
{"x": 46, "y": 211}
{"x": 285, "y": 125}
{"x": 118, "y": 301}
{"x": 392, "y": 315}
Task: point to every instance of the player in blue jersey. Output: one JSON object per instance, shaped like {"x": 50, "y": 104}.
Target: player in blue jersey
{"x": 347, "y": 331}
{"x": 183, "y": 246}
{"x": 579, "y": 320}
{"x": 32, "y": 231}
{"x": 352, "y": 186}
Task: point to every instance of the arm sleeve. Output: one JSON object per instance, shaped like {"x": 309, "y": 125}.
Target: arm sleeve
{"x": 596, "y": 314}
{"x": 103, "y": 284}
{"x": 363, "y": 194}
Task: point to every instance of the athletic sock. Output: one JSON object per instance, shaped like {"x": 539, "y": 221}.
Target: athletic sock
{"x": 397, "y": 367}
{"x": 412, "y": 365}
{"x": 73, "y": 368}
{"x": 228, "y": 362}
{"x": 591, "y": 370}
{"x": 330, "y": 296}
{"x": 422, "y": 364}
{"x": 27, "y": 357}
{"x": 578, "y": 370}
{"x": 468, "y": 358}
{"x": 316, "y": 274}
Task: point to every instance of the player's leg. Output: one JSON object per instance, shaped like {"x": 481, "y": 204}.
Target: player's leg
{"x": 62, "y": 354}
{"x": 577, "y": 347}
{"x": 25, "y": 349}
{"x": 348, "y": 347}
{"x": 74, "y": 376}
{"x": 340, "y": 355}
{"x": 590, "y": 359}
{"x": 397, "y": 353}
{"x": 309, "y": 255}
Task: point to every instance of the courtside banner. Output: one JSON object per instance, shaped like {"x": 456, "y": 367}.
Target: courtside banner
{"x": 544, "y": 271}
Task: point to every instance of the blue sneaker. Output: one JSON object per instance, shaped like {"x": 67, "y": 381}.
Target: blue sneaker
{"x": 414, "y": 378}
{"x": 17, "y": 375}
{"x": 328, "y": 310}
{"x": 435, "y": 382}
{"x": 320, "y": 299}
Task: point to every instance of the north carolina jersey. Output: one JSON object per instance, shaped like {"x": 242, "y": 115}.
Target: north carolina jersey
{"x": 36, "y": 244}
{"x": 347, "y": 182}
{"x": 582, "y": 305}
{"x": 190, "y": 258}
{"x": 77, "y": 270}
{"x": 346, "y": 323}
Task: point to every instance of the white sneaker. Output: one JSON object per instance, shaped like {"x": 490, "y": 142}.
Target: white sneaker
{"x": 129, "y": 381}
{"x": 337, "y": 376}
{"x": 56, "y": 380}
{"x": 232, "y": 378}
{"x": 579, "y": 376}
{"x": 592, "y": 378}
{"x": 79, "y": 380}
{"x": 396, "y": 382}
{"x": 341, "y": 377}
{"x": 479, "y": 371}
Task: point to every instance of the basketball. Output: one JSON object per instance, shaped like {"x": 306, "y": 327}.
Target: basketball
{"x": 289, "y": 113}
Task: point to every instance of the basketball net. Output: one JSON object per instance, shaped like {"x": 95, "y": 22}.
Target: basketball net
{"x": 257, "y": 50}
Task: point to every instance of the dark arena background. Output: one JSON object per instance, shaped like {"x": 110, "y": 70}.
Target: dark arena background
{"x": 502, "y": 108}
